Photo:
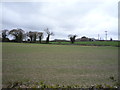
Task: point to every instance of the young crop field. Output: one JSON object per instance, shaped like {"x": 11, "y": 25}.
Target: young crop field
{"x": 93, "y": 43}
{"x": 59, "y": 64}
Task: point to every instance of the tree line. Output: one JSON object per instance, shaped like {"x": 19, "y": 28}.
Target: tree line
{"x": 20, "y": 35}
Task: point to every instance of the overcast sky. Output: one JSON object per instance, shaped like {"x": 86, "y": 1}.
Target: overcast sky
{"x": 63, "y": 18}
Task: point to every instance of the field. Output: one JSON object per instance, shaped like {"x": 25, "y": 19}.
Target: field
{"x": 93, "y": 43}
{"x": 59, "y": 64}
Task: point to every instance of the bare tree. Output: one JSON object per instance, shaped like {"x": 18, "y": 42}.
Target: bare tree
{"x": 30, "y": 34}
{"x": 72, "y": 38}
{"x": 49, "y": 34}
{"x": 40, "y": 36}
{"x": 34, "y": 36}
{"x": 5, "y": 33}
{"x": 18, "y": 34}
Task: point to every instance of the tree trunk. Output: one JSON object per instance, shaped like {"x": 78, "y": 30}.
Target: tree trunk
{"x": 40, "y": 39}
{"x": 47, "y": 40}
{"x": 31, "y": 39}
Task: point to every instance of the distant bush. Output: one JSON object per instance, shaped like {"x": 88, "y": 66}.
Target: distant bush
{"x": 5, "y": 40}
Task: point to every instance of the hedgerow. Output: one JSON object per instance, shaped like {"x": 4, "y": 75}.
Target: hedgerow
{"x": 41, "y": 84}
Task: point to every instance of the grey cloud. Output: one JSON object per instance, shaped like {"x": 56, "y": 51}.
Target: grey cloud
{"x": 80, "y": 18}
